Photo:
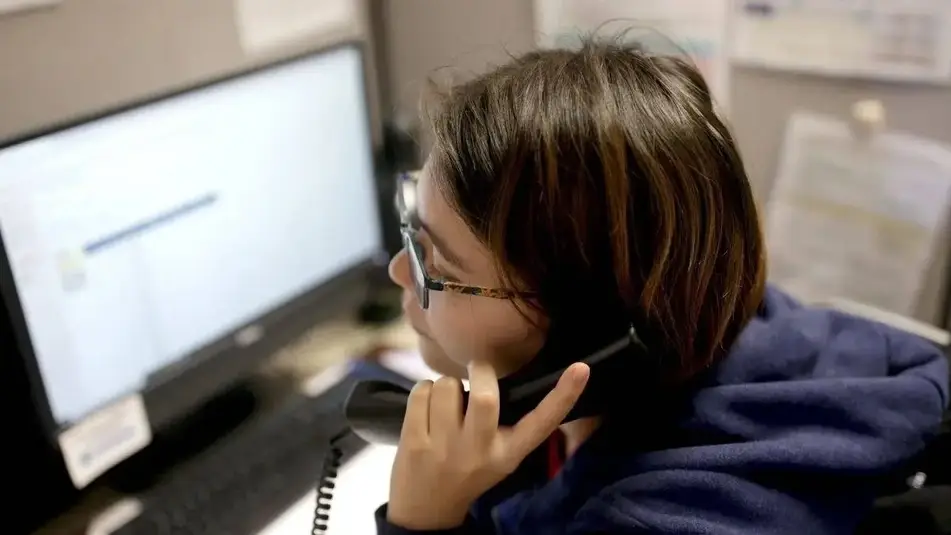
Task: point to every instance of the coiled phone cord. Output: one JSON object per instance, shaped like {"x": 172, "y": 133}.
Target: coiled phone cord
{"x": 326, "y": 484}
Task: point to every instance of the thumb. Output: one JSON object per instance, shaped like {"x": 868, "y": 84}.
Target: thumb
{"x": 536, "y": 426}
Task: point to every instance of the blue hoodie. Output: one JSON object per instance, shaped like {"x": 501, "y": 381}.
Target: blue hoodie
{"x": 792, "y": 434}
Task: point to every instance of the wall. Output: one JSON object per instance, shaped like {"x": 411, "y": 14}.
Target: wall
{"x": 426, "y": 35}
{"x": 88, "y": 55}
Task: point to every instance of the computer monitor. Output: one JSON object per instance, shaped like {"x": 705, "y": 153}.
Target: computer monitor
{"x": 946, "y": 308}
{"x": 151, "y": 254}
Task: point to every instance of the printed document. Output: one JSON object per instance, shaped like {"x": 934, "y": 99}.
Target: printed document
{"x": 857, "y": 219}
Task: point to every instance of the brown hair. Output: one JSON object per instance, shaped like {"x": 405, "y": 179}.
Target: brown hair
{"x": 604, "y": 180}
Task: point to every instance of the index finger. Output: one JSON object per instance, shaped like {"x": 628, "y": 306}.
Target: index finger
{"x": 536, "y": 426}
{"x": 482, "y": 413}
{"x": 416, "y": 421}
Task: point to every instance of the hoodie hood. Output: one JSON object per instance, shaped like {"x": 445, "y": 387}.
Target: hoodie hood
{"x": 794, "y": 432}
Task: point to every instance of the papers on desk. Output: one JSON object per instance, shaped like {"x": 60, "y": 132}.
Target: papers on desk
{"x": 857, "y": 219}
{"x": 697, "y": 28}
{"x": 907, "y": 40}
{"x": 408, "y": 363}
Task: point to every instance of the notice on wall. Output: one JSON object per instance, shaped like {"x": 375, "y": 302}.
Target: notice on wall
{"x": 266, "y": 25}
{"x": 907, "y": 40}
{"x": 8, "y": 7}
{"x": 859, "y": 219}
{"x": 695, "y": 28}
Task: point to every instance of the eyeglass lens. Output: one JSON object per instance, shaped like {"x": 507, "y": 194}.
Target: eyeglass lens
{"x": 416, "y": 267}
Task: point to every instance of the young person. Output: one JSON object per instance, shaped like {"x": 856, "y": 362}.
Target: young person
{"x": 568, "y": 195}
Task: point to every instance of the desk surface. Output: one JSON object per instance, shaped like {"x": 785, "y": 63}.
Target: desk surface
{"x": 324, "y": 347}
{"x": 363, "y": 482}
{"x": 362, "y": 486}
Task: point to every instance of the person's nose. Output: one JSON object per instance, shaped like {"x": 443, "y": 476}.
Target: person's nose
{"x": 399, "y": 270}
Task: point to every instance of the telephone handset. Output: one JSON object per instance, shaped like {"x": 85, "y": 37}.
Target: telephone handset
{"x": 375, "y": 409}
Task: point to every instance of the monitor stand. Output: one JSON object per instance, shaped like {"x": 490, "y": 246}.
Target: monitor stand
{"x": 383, "y": 303}
{"x": 184, "y": 440}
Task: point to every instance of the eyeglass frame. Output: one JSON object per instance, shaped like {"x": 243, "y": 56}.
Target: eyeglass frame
{"x": 422, "y": 282}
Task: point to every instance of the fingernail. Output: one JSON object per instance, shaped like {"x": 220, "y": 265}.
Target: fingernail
{"x": 580, "y": 374}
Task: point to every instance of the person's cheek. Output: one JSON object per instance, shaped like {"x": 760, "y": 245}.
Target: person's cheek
{"x": 511, "y": 340}
{"x": 435, "y": 357}
{"x": 439, "y": 323}
{"x": 456, "y": 331}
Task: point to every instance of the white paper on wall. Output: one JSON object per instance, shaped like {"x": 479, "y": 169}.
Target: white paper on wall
{"x": 265, "y": 25}
{"x": 695, "y": 27}
{"x": 857, "y": 219}
{"x": 900, "y": 40}
{"x": 8, "y": 7}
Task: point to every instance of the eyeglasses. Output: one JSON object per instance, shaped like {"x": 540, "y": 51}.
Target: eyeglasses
{"x": 422, "y": 282}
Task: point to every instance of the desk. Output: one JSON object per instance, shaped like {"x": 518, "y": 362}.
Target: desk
{"x": 363, "y": 483}
{"x": 301, "y": 362}
{"x": 362, "y": 486}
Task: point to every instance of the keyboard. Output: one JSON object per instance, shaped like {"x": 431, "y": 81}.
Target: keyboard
{"x": 241, "y": 485}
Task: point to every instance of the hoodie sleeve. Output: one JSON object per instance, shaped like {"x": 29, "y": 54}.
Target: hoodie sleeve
{"x": 696, "y": 502}
{"x": 384, "y": 527}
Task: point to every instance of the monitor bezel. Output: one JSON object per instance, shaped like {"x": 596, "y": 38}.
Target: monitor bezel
{"x": 945, "y": 311}
{"x": 172, "y": 393}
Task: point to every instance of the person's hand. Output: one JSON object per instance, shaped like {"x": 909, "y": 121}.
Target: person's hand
{"x": 447, "y": 459}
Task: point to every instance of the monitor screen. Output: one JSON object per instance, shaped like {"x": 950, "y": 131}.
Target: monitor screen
{"x": 136, "y": 239}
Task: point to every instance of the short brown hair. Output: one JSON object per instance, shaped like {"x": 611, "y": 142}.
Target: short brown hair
{"x": 603, "y": 179}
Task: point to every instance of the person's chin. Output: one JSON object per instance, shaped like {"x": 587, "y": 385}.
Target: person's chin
{"x": 436, "y": 358}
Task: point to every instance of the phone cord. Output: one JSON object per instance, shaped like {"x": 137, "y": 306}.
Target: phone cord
{"x": 326, "y": 484}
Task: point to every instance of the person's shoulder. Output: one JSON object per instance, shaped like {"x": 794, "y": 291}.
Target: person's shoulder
{"x": 908, "y": 343}
{"x": 688, "y": 500}
{"x": 790, "y": 341}
{"x": 836, "y": 316}
{"x": 791, "y": 433}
